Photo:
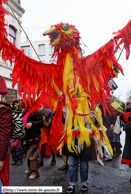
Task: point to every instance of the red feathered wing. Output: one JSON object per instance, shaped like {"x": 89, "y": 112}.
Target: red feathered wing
{"x": 95, "y": 70}
{"x": 34, "y": 77}
{"x": 124, "y": 36}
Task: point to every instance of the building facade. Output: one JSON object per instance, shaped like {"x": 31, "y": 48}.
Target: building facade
{"x": 14, "y": 35}
{"x": 42, "y": 48}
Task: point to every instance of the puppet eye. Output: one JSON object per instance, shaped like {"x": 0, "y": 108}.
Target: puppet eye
{"x": 65, "y": 27}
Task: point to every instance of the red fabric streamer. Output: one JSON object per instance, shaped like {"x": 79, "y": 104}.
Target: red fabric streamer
{"x": 121, "y": 37}
{"x": 57, "y": 126}
{"x": 126, "y": 117}
{"x": 75, "y": 133}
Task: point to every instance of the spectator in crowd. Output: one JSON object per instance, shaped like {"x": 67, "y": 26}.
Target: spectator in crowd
{"x": 86, "y": 154}
{"x": 65, "y": 166}
{"x": 16, "y": 152}
{"x": 115, "y": 142}
{"x": 108, "y": 122}
{"x": 31, "y": 141}
{"x": 23, "y": 149}
{"x": 126, "y": 118}
{"x": 5, "y": 135}
{"x": 45, "y": 143}
{"x": 15, "y": 104}
{"x": 126, "y": 126}
{"x": 16, "y": 145}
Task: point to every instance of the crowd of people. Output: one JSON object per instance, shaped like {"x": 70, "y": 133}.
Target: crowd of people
{"x": 36, "y": 144}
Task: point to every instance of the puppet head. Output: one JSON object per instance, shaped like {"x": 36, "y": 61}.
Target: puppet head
{"x": 63, "y": 35}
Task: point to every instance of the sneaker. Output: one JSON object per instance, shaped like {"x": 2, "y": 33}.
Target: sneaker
{"x": 27, "y": 172}
{"x": 84, "y": 187}
{"x": 64, "y": 167}
{"x": 32, "y": 176}
{"x": 70, "y": 189}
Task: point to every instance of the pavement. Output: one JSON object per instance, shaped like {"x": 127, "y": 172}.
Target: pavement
{"x": 113, "y": 177}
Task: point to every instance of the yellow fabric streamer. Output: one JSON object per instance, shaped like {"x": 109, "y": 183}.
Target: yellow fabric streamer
{"x": 96, "y": 83}
{"x": 61, "y": 145}
{"x": 79, "y": 122}
{"x": 68, "y": 75}
{"x": 84, "y": 134}
{"x": 99, "y": 118}
{"x": 109, "y": 63}
{"x": 70, "y": 143}
{"x": 73, "y": 91}
{"x": 91, "y": 122}
{"x": 79, "y": 56}
{"x": 56, "y": 87}
{"x": 36, "y": 87}
{"x": 55, "y": 105}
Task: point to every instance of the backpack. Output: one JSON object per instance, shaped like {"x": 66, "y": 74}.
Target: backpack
{"x": 18, "y": 130}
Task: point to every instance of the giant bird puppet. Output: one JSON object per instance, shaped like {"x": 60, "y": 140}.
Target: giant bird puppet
{"x": 58, "y": 85}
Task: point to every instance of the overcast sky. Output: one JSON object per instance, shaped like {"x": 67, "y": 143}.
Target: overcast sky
{"x": 96, "y": 20}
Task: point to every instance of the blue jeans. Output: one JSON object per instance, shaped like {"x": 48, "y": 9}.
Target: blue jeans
{"x": 116, "y": 137}
{"x": 16, "y": 152}
{"x": 73, "y": 171}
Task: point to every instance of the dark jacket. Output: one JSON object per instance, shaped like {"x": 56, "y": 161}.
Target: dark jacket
{"x": 37, "y": 123}
{"x": 126, "y": 156}
{"x": 5, "y": 129}
{"x": 46, "y": 112}
{"x": 88, "y": 153}
{"x": 126, "y": 127}
{"x": 108, "y": 120}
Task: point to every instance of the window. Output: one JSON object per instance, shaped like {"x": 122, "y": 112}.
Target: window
{"x": 26, "y": 50}
{"x": 51, "y": 49}
{"x": 12, "y": 35}
{"x": 42, "y": 49}
{"x": 52, "y": 61}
